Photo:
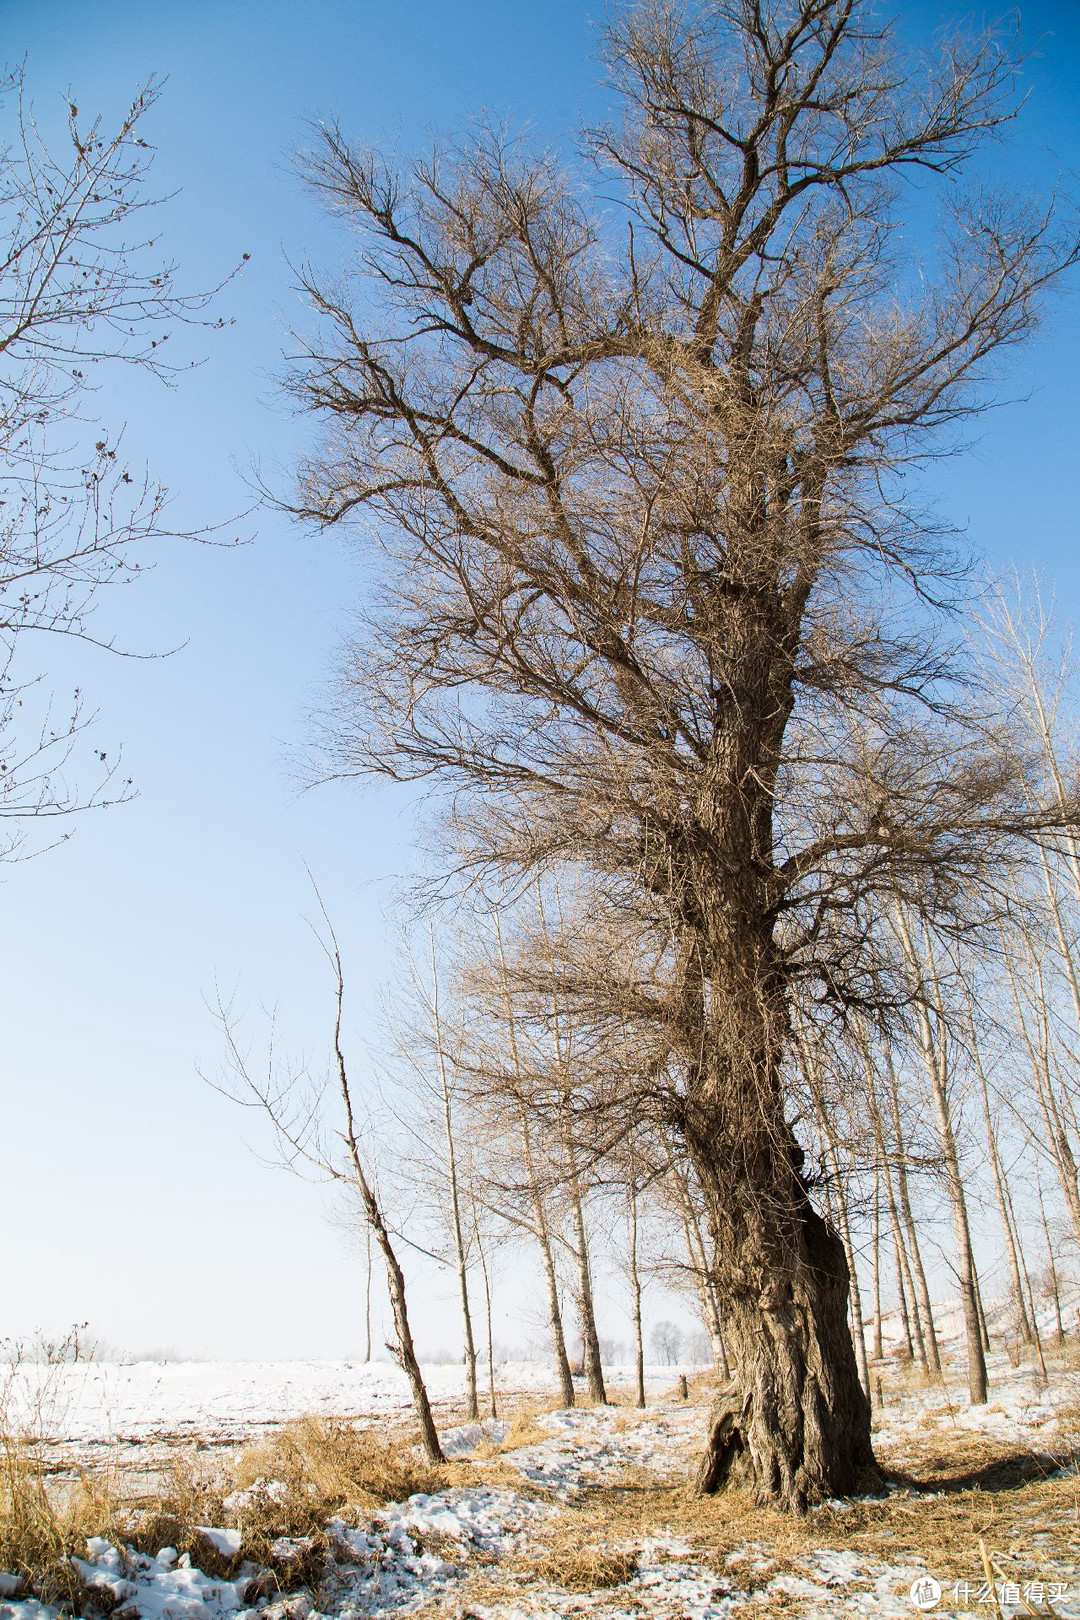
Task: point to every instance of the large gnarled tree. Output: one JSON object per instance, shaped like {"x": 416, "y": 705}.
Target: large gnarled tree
{"x": 653, "y": 601}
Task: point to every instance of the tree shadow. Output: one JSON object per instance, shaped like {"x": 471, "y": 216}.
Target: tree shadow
{"x": 1007, "y": 1471}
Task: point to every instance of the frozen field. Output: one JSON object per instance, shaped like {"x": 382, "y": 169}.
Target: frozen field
{"x": 82, "y": 1409}
{"x": 589, "y": 1514}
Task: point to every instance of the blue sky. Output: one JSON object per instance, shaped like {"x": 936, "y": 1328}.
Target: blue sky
{"x": 129, "y": 1195}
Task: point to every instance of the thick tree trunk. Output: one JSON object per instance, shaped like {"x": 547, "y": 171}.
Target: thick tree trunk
{"x": 795, "y": 1427}
{"x": 795, "y": 1424}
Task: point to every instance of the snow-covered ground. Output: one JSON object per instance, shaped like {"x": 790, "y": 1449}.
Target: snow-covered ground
{"x": 481, "y": 1549}
{"x": 82, "y": 1408}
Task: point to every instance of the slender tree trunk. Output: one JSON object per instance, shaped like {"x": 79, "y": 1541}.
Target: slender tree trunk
{"x": 472, "y": 1408}
{"x": 493, "y": 1405}
{"x": 594, "y": 1370}
{"x": 901, "y": 1285}
{"x": 927, "y": 998}
{"x": 395, "y": 1277}
{"x": 702, "y": 1272}
{"x": 367, "y": 1295}
{"x": 1004, "y": 1208}
{"x": 905, "y": 1289}
{"x": 933, "y": 1351}
{"x": 1054, "y": 1286}
{"x": 541, "y": 1228}
{"x": 590, "y": 1339}
{"x": 1038, "y": 1050}
{"x": 551, "y": 1276}
{"x": 879, "y": 1348}
{"x": 635, "y": 1295}
{"x": 984, "y": 1324}
{"x": 1030, "y": 1293}
{"x": 858, "y": 1328}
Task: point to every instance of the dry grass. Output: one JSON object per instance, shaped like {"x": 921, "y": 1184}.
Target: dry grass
{"x": 284, "y": 1489}
{"x": 584, "y": 1569}
{"x": 41, "y": 1528}
{"x": 326, "y": 1465}
{"x": 524, "y": 1429}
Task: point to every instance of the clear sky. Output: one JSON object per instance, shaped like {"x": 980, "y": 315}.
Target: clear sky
{"x": 129, "y": 1195}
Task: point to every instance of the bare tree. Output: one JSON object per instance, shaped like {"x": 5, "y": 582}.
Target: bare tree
{"x": 667, "y": 1341}
{"x": 295, "y": 1116}
{"x": 657, "y": 604}
{"x": 82, "y": 290}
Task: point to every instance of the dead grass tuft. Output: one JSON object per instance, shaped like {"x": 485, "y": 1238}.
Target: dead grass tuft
{"x": 40, "y": 1529}
{"x": 325, "y": 1465}
{"x": 585, "y": 1569}
{"x": 524, "y": 1430}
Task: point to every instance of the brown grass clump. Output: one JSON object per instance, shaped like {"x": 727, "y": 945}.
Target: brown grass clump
{"x": 524, "y": 1430}
{"x": 40, "y": 1530}
{"x": 326, "y": 1464}
{"x": 585, "y": 1569}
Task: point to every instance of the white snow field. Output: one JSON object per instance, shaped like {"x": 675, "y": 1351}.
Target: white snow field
{"x": 481, "y": 1549}
{"x": 146, "y": 1408}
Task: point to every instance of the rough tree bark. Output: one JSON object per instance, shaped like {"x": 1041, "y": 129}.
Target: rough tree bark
{"x": 797, "y": 1425}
